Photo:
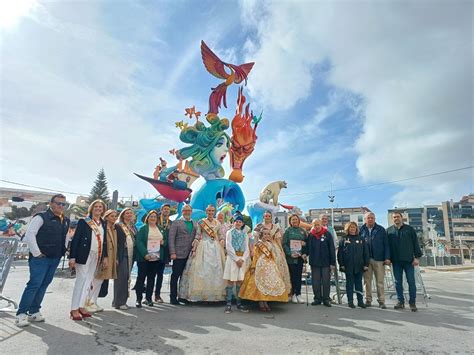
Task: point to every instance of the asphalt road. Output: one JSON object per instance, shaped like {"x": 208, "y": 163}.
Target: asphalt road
{"x": 444, "y": 326}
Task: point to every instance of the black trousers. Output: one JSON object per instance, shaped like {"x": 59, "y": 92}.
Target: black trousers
{"x": 159, "y": 277}
{"x": 176, "y": 273}
{"x": 354, "y": 279}
{"x": 146, "y": 270}
{"x": 296, "y": 270}
{"x": 321, "y": 280}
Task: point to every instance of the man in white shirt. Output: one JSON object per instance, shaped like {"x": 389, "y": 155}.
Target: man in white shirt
{"x": 45, "y": 237}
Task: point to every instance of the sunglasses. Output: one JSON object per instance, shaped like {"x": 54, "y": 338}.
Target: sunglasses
{"x": 60, "y": 203}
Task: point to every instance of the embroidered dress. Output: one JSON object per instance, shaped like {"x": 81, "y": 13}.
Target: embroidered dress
{"x": 263, "y": 280}
{"x": 202, "y": 278}
{"x": 280, "y": 258}
{"x": 237, "y": 246}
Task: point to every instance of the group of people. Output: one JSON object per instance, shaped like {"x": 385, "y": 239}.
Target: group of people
{"x": 212, "y": 261}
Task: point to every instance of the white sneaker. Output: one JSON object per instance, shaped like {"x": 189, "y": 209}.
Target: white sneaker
{"x": 98, "y": 308}
{"x": 294, "y": 299}
{"x": 124, "y": 307}
{"x": 22, "y": 320}
{"x": 36, "y": 317}
{"x": 300, "y": 299}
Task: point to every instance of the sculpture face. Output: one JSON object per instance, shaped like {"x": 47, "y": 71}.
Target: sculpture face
{"x": 220, "y": 150}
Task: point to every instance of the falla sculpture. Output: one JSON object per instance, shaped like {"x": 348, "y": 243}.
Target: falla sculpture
{"x": 207, "y": 145}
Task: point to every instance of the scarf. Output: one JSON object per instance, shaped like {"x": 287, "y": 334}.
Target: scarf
{"x": 238, "y": 239}
{"x": 320, "y": 233}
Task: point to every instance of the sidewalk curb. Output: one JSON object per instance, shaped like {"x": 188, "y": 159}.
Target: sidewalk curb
{"x": 443, "y": 269}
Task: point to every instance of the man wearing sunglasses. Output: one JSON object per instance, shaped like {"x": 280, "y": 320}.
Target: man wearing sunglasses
{"x": 45, "y": 237}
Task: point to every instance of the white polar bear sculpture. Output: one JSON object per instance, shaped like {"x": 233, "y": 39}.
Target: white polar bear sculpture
{"x": 272, "y": 191}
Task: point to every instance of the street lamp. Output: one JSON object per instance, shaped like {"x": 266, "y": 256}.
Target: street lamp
{"x": 331, "y": 199}
{"x": 432, "y": 232}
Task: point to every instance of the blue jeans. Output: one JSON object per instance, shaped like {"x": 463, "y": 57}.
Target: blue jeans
{"x": 351, "y": 281}
{"x": 41, "y": 274}
{"x": 409, "y": 269}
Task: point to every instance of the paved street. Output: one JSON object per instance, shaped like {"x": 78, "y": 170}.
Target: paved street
{"x": 445, "y": 326}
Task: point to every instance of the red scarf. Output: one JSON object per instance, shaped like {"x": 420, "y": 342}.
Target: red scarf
{"x": 320, "y": 233}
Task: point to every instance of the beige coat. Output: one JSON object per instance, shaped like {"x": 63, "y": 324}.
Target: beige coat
{"x": 111, "y": 271}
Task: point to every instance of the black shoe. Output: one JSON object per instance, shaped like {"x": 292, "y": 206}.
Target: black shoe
{"x": 413, "y": 307}
{"x": 382, "y": 306}
{"x": 228, "y": 309}
{"x": 361, "y": 305}
{"x": 138, "y": 304}
{"x": 399, "y": 306}
{"x": 315, "y": 303}
{"x": 148, "y": 303}
{"x": 183, "y": 300}
{"x": 174, "y": 301}
{"x": 327, "y": 304}
{"x": 242, "y": 308}
{"x": 368, "y": 304}
{"x": 351, "y": 305}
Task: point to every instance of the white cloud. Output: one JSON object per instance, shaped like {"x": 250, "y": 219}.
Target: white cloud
{"x": 71, "y": 105}
{"x": 411, "y": 62}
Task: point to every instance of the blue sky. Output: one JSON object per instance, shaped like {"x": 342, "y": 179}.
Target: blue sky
{"x": 352, "y": 93}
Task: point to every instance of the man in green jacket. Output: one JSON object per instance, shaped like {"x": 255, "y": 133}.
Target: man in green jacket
{"x": 405, "y": 251}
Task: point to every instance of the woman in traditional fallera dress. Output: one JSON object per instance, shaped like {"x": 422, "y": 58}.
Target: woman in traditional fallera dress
{"x": 263, "y": 280}
{"x": 237, "y": 262}
{"x": 276, "y": 237}
{"x": 202, "y": 278}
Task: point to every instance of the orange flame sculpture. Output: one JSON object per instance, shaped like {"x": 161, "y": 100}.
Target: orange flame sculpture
{"x": 243, "y": 137}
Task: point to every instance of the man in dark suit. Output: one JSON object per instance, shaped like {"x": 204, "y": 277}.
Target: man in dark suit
{"x": 180, "y": 240}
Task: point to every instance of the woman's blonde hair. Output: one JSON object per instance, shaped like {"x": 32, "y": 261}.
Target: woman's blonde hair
{"x": 120, "y": 217}
{"x": 91, "y": 207}
{"x": 108, "y": 212}
{"x": 313, "y": 222}
{"x": 348, "y": 225}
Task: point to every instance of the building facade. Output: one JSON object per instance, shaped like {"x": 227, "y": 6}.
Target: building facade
{"x": 458, "y": 218}
{"x": 452, "y": 222}
{"x": 341, "y": 216}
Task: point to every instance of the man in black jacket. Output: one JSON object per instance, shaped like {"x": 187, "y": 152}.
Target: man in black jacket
{"x": 46, "y": 239}
{"x": 405, "y": 251}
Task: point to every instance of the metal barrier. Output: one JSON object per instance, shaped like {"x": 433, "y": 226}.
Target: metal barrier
{"x": 339, "y": 281}
{"x": 8, "y": 248}
{"x": 22, "y": 252}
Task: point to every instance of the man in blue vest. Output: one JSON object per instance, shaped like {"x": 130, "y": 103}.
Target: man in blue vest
{"x": 45, "y": 237}
{"x": 379, "y": 252}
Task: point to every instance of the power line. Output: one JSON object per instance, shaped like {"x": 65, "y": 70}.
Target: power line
{"x": 376, "y": 184}
{"x": 43, "y": 188}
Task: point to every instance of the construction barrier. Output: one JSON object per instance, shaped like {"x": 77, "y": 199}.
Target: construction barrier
{"x": 8, "y": 249}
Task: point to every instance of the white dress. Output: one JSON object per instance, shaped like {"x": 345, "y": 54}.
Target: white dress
{"x": 232, "y": 271}
{"x": 202, "y": 278}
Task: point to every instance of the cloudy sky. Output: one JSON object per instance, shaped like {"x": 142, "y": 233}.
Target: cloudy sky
{"x": 353, "y": 94}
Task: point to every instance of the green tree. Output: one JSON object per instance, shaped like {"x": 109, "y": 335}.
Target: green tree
{"x": 18, "y": 212}
{"x": 100, "y": 189}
